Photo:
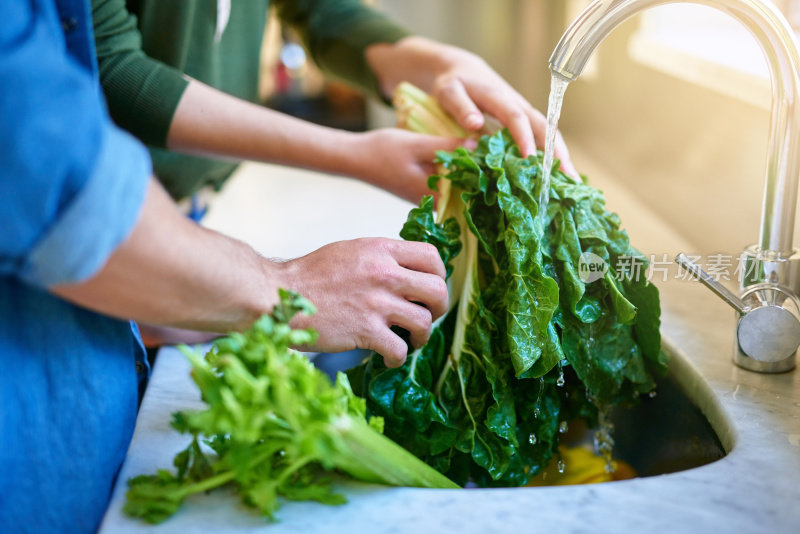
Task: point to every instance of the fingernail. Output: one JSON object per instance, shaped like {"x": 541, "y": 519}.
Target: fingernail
{"x": 473, "y": 120}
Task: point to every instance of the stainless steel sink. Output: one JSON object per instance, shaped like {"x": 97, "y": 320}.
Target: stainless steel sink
{"x": 668, "y": 432}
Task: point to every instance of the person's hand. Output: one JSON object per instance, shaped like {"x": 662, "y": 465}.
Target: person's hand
{"x": 467, "y": 87}
{"x": 400, "y": 161}
{"x": 361, "y": 288}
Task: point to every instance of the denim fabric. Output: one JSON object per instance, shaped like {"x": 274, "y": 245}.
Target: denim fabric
{"x": 72, "y": 186}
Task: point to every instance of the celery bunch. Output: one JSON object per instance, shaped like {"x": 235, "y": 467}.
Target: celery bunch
{"x": 275, "y": 426}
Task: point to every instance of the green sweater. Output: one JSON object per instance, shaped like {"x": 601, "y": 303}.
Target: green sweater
{"x": 145, "y": 46}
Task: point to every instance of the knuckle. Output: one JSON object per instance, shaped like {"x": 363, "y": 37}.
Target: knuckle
{"x": 495, "y": 93}
{"x": 394, "y": 360}
{"x": 385, "y": 246}
{"x": 377, "y": 272}
{"x": 369, "y": 336}
{"x": 516, "y": 115}
{"x": 439, "y": 291}
{"x": 446, "y": 85}
{"x": 388, "y": 277}
{"x": 430, "y": 251}
{"x": 374, "y": 303}
{"x": 423, "y": 319}
{"x": 537, "y": 117}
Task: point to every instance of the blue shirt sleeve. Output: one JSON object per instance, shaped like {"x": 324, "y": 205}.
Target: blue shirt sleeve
{"x": 71, "y": 183}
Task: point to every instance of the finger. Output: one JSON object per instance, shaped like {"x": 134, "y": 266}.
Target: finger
{"x": 513, "y": 113}
{"x": 455, "y": 100}
{"x": 562, "y": 152}
{"x": 421, "y": 257}
{"x": 415, "y": 319}
{"x": 428, "y": 290}
{"x": 390, "y": 346}
{"x": 520, "y": 129}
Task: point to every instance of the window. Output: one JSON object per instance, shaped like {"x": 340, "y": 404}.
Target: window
{"x": 703, "y": 45}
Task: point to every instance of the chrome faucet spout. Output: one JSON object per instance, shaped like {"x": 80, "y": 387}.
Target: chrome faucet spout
{"x": 768, "y": 311}
{"x": 778, "y": 43}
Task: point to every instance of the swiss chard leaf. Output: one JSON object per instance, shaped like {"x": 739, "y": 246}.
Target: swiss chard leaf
{"x": 529, "y": 342}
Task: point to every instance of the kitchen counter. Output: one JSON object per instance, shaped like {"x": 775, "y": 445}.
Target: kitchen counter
{"x": 755, "y": 488}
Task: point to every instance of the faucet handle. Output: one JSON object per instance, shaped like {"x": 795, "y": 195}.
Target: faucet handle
{"x": 768, "y": 326}
{"x": 721, "y": 291}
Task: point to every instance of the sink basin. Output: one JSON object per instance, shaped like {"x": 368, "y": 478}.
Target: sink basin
{"x": 668, "y": 432}
{"x": 671, "y": 431}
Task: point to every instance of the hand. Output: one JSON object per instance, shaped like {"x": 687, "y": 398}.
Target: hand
{"x": 400, "y": 162}
{"x": 363, "y": 287}
{"x": 466, "y": 86}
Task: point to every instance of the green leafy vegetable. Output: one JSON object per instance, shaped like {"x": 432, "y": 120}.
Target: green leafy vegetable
{"x": 275, "y": 426}
{"x": 528, "y": 343}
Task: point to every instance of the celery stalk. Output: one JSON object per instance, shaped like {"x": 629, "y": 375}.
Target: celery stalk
{"x": 370, "y": 456}
{"x": 276, "y": 425}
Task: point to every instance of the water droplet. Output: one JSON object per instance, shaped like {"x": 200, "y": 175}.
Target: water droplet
{"x": 610, "y": 467}
{"x": 536, "y": 410}
{"x": 532, "y": 439}
{"x": 563, "y": 427}
{"x": 652, "y": 394}
{"x": 561, "y": 466}
{"x": 560, "y": 380}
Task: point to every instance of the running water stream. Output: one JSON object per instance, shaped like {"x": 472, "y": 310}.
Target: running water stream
{"x": 558, "y": 85}
{"x": 603, "y": 436}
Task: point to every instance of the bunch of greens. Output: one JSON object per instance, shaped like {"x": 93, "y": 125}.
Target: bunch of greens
{"x": 529, "y": 342}
{"x": 275, "y": 426}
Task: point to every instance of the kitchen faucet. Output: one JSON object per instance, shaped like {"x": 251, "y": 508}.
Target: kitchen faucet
{"x": 768, "y": 314}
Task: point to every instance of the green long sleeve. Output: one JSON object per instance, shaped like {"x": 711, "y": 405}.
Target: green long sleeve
{"x": 145, "y": 48}
{"x": 337, "y": 33}
{"x": 142, "y": 93}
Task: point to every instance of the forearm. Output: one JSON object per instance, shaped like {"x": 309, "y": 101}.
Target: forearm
{"x": 173, "y": 272}
{"x": 209, "y": 122}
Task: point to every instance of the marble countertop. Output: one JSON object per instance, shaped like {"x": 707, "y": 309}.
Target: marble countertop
{"x": 754, "y": 488}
